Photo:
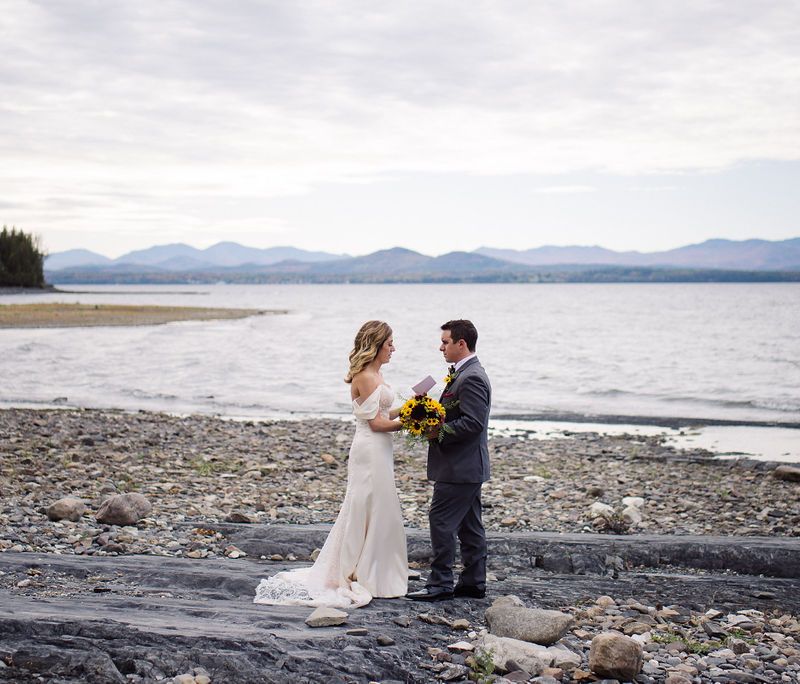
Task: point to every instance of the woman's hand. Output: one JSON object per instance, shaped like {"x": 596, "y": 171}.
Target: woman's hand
{"x": 381, "y": 424}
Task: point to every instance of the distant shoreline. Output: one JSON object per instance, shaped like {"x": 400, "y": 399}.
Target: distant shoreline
{"x": 586, "y": 276}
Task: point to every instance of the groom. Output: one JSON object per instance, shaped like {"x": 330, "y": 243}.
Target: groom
{"x": 458, "y": 463}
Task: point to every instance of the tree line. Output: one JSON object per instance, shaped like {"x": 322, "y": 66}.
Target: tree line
{"x": 21, "y": 260}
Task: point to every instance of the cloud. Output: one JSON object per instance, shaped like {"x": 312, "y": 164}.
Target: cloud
{"x": 564, "y": 189}
{"x": 181, "y": 99}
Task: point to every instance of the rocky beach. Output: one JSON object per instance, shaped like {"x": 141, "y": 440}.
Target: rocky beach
{"x": 693, "y": 561}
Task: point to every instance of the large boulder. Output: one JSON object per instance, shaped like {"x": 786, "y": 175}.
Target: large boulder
{"x": 509, "y": 619}
{"x": 787, "y": 472}
{"x": 615, "y": 656}
{"x": 68, "y": 508}
{"x": 529, "y": 657}
{"x": 123, "y": 509}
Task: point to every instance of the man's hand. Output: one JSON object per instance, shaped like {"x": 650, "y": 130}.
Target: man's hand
{"x": 433, "y": 433}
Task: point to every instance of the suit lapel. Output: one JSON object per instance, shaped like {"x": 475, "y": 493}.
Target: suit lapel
{"x": 449, "y": 389}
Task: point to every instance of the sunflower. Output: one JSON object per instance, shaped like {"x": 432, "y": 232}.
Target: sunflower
{"x": 420, "y": 414}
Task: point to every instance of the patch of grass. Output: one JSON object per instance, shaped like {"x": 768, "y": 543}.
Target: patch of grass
{"x": 483, "y": 666}
{"x": 692, "y": 646}
{"x": 737, "y": 633}
{"x": 207, "y": 467}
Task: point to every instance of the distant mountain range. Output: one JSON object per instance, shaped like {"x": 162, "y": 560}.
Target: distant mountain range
{"x": 181, "y": 257}
{"x": 231, "y": 262}
{"x": 749, "y": 255}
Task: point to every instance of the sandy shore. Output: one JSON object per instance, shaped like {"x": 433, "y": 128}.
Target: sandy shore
{"x": 62, "y": 315}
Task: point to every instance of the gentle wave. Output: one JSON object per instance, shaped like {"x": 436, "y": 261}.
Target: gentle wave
{"x": 699, "y": 350}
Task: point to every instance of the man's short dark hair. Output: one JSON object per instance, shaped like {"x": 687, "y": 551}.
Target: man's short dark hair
{"x": 463, "y": 329}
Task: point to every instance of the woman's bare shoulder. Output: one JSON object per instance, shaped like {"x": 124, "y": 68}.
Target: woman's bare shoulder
{"x": 364, "y": 384}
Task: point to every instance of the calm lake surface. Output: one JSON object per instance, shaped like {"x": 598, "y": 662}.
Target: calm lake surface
{"x": 710, "y": 351}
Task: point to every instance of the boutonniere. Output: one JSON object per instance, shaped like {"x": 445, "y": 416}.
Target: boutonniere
{"x": 451, "y": 375}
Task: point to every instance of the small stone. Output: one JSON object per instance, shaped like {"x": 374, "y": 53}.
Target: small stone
{"x": 738, "y": 646}
{"x": 508, "y": 522}
{"x": 678, "y": 678}
{"x": 463, "y": 646}
{"x": 739, "y": 676}
{"x": 356, "y": 631}
{"x": 326, "y": 617}
{"x": 328, "y": 458}
{"x": 634, "y": 501}
{"x": 600, "y": 510}
{"x": 741, "y": 622}
{"x": 632, "y": 515}
{"x": 238, "y": 517}
{"x": 724, "y": 653}
{"x": 384, "y": 640}
{"x": 403, "y": 621}
{"x": 675, "y": 647}
{"x": 123, "y": 509}
{"x": 68, "y": 508}
{"x": 635, "y": 628}
{"x": 184, "y": 679}
{"x": 460, "y": 623}
{"x": 616, "y": 656}
{"x": 714, "y": 630}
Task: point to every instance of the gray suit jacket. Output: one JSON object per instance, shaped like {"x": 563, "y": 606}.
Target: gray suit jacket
{"x": 463, "y": 453}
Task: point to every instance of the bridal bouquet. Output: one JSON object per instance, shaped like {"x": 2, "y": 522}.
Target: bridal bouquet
{"x": 420, "y": 414}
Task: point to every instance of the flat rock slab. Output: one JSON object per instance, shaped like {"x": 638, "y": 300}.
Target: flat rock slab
{"x": 563, "y": 553}
{"x": 160, "y": 616}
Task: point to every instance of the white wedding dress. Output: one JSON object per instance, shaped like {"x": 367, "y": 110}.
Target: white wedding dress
{"x": 364, "y": 556}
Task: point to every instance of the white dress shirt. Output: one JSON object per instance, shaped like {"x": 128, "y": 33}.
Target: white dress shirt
{"x": 464, "y": 360}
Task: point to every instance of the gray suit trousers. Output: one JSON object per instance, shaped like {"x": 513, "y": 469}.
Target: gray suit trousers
{"x": 456, "y": 512}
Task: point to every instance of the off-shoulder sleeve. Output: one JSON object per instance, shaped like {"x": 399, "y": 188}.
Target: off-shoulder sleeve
{"x": 369, "y": 409}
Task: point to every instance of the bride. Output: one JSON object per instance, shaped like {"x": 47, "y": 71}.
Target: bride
{"x": 364, "y": 556}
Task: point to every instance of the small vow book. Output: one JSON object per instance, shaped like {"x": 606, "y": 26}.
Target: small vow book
{"x": 423, "y": 386}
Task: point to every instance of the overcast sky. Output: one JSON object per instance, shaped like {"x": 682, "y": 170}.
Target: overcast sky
{"x": 354, "y": 126}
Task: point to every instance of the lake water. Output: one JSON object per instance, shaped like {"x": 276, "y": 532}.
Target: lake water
{"x": 708, "y": 351}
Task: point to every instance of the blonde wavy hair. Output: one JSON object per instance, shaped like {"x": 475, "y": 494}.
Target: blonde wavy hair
{"x": 369, "y": 340}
